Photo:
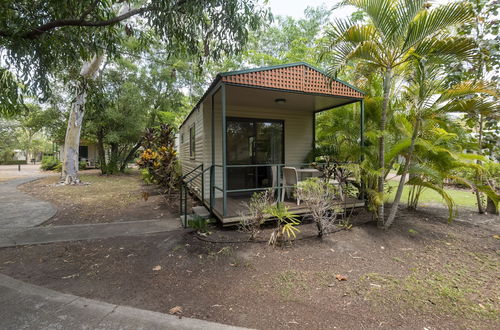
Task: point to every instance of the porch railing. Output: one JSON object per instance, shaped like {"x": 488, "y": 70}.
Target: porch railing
{"x": 200, "y": 172}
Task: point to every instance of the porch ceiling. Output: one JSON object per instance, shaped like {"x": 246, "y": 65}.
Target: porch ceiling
{"x": 245, "y": 96}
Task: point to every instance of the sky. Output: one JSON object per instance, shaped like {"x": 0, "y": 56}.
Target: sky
{"x": 295, "y": 8}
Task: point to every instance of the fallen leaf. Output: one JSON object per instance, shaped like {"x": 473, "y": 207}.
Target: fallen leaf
{"x": 157, "y": 268}
{"x": 341, "y": 277}
{"x": 496, "y": 236}
{"x": 177, "y": 310}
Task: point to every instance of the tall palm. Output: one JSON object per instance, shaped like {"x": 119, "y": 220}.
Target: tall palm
{"x": 393, "y": 33}
{"x": 426, "y": 101}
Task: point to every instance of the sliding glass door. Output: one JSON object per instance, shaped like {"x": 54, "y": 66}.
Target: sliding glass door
{"x": 250, "y": 142}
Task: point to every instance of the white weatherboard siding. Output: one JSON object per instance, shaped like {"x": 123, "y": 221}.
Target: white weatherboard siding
{"x": 298, "y": 127}
{"x": 188, "y": 163}
{"x": 298, "y": 135}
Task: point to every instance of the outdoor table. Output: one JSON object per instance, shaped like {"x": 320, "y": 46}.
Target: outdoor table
{"x": 310, "y": 171}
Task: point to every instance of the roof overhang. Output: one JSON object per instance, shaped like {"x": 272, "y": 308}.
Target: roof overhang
{"x": 303, "y": 87}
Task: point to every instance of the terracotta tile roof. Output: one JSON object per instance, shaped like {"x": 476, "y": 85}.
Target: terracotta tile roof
{"x": 300, "y": 77}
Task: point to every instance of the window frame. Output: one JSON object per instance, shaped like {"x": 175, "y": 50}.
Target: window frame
{"x": 192, "y": 141}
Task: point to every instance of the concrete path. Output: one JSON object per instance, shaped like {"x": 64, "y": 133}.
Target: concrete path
{"x": 9, "y": 172}
{"x": 52, "y": 234}
{"x": 20, "y": 213}
{"x": 27, "y": 306}
{"x": 19, "y": 210}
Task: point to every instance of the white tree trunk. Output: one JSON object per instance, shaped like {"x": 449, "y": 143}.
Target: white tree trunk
{"x": 69, "y": 173}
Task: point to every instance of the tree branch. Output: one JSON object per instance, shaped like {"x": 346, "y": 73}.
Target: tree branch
{"x": 38, "y": 31}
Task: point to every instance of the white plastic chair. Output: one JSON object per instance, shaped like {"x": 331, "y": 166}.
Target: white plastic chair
{"x": 290, "y": 178}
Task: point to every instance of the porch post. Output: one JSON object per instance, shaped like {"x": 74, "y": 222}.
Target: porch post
{"x": 224, "y": 163}
{"x": 314, "y": 131}
{"x": 362, "y": 128}
{"x": 212, "y": 168}
{"x": 362, "y": 141}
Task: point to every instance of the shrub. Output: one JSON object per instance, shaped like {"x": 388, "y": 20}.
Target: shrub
{"x": 287, "y": 223}
{"x": 13, "y": 162}
{"x": 319, "y": 196}
{"x": 199, "y": 224}
{"x": 82, "y": 166}
{"x": 159, "y": 157}
{"x": 49, "y": 163}
{"x": 255, "y": 214}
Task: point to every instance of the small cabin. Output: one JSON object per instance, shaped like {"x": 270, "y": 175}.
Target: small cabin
{"x": 252, "y": 127}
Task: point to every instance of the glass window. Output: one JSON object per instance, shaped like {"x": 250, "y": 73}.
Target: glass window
{"x": 192, "y": 142}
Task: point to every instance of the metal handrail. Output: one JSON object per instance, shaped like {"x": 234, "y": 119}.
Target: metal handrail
{"x": 190, "y": 172}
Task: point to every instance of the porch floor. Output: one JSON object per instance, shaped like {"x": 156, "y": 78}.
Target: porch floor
{"x": 236, "y": 209}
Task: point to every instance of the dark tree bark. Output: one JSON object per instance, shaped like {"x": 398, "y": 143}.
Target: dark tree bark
{"x": 100, "y": 150}
{"x": 130, "y": 155}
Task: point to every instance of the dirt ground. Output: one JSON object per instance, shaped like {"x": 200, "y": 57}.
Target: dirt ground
{"x": 422, "y": 273}
{"x": 107, "y": 198}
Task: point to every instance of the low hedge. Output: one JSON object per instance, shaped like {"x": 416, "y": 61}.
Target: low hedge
{"x": 13, "y": 162}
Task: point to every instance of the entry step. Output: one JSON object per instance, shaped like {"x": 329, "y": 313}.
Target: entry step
{"x": 201, "y": 211}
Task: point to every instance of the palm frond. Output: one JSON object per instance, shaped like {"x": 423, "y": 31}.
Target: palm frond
{"x": 416, "y": 181}
{"x": 446, "y": 48}
{"x": 467, "y": 88}
{"x": 397, "y": 149}
{"x": 428, "y": 22}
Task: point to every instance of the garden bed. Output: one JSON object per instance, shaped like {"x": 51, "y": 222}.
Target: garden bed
{"x": 421, "y": 273}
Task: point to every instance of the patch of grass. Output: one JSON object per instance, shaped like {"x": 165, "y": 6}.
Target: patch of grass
{"x": 460, "y": 197}
{"x": 451, "y": 291}
{"x": 325, "y": 278}
{"x": 290, "y": 284}
{"x": 398, "y": 259}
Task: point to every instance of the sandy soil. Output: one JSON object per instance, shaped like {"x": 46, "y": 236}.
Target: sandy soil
{"x": 106, "y": 198}
{"x": 422, "y": 273}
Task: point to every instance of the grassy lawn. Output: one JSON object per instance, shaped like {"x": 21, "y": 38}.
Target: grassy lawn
{"x": 460, "y": 197}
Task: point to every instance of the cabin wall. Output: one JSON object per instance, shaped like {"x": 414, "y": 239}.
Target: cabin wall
{"x": 188, "y": 163}
{"x": 298, "y": 135}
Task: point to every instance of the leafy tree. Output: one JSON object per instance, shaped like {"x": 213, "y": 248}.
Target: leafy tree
{"x": 44, "y": 36}
{"x": 394, "y": 32}
{"x": 426, "y": 102}
{"x": 34, "y": 121}
{"x": 8, "y": 139}
{"x": 484, "y": 67}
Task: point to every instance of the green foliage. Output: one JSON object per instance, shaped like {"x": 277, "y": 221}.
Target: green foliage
{"x": 320, "y": 197}
{"x": 199, "y": 224}
{"x": 41, "y": 39}
{"x": 159, "y": 157}
{"x": 256, "y": 212}
{"x": 146, "y": 176}
{"x": 287, "y": 223}
{"x": 49, "y": 163}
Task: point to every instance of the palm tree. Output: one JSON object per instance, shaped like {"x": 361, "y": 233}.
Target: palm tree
{"x": 426, "y": 101}
{"x": 394, "y": 32}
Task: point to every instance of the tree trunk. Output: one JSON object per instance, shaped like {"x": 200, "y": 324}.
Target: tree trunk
{"x": 130, "y": 155}
{"x": 69, "y": 173}
{"x": 480, "y": 206}
{"x": 113, "y": 159}
{"x": 102, "y": 153}
{"x": 381, "y": 146}
{"x": 491, "y": 207}
{"x": 399, "y": 192}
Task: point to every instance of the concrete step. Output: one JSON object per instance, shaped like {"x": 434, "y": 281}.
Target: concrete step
{"x": 201, "y": 211}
